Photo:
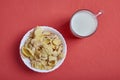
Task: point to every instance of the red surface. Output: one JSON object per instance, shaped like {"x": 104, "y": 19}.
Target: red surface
{"x": 94, "y": 58}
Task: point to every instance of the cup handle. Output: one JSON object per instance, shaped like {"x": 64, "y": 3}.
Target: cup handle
{"x": 99, "y": 13}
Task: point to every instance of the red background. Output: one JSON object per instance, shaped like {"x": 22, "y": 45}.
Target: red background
{"x": 94, "y": 58}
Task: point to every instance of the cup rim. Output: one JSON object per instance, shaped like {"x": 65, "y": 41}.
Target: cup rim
{"x": 89, "y": 12}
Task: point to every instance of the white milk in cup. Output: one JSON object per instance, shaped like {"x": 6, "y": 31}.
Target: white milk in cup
{"x": 84, "y": 23}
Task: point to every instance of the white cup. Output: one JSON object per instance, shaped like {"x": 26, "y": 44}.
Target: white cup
{"x": 84, "y": 23}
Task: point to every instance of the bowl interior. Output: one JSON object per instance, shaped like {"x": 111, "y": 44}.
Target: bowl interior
{"x": 27, "y": 61}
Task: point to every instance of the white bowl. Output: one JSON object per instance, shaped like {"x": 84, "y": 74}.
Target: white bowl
{"x": 27, "y": 61}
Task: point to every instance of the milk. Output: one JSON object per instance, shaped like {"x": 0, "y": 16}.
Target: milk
{"x": 83, "y": 23}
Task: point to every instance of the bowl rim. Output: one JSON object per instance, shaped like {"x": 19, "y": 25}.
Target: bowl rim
{"x": 26, "y": 61}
